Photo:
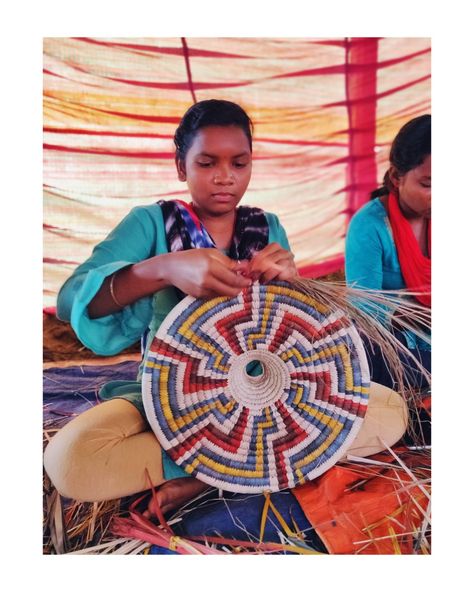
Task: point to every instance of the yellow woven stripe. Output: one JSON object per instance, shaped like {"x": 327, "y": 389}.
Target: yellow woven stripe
{"x": 346, "y": 361}
{"x": 193, "y": 415}
{"x": 293, "y": 352}
{"x": 299, "y": 394}
{"x": 364, "y": 390}
{"x": 328, "y": 352}
{"x": 189, "y": 334}
{"x": 336, "y": 427}
{"x": 177, "y": 423}
{"x": 269, "y": 298}
{"x": 301, "y": 297}
{"x": 224, "y": 470}
{"x": 164, "y": 399}
{"x": 259, "y": 442}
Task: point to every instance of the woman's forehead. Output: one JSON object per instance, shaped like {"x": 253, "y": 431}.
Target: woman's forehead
{"x": 215, "y": 139}
{"x": 424, "y": 169}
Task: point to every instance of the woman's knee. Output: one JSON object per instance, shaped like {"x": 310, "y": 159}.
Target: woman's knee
{"x": 77, "y": 456}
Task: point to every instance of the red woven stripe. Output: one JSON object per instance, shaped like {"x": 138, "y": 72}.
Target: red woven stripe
{"x": 226, "y": 326}
{"x": 294, "y": 435}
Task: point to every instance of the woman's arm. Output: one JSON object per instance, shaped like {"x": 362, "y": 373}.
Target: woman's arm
{"x": 363, "y": 254}
{"x": 199, "y": 272}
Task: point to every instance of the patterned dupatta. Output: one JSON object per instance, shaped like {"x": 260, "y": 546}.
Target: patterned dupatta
{"x": 185, "y": 231}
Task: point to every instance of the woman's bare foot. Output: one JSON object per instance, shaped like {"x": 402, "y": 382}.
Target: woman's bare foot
{"x": 174, "y": 493}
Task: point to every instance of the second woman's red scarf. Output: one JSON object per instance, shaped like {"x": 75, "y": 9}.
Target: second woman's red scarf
{"x": 415, "y": 267}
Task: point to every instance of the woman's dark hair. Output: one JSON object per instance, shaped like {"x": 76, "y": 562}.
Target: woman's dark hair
{"x": 409, "y": 149}
{"x": 205, "y": 113}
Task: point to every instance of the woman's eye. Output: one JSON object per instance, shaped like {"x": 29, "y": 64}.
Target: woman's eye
{"x": 204, "y": 164}
{"x": 240, "y": 165}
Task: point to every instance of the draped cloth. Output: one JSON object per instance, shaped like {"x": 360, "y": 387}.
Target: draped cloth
{"x": 415, "y": 267}
{"x": 185, "y": 231}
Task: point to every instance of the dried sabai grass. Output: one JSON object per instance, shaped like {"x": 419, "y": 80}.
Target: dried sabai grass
{"x": 69, "y": 525}
{"x": 372, "y": 313}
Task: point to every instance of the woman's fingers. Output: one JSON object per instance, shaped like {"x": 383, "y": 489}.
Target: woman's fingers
{"x": 272, "y": 262}
{"x": 203, "y": 273}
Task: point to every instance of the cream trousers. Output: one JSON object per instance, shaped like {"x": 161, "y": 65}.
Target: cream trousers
{"x": 104, "y": 453}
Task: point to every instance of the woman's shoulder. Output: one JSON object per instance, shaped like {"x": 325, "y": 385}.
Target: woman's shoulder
{"x": 373, "y": 209}
{"x": 152, "y": 210}
{"x": 370, "y": 215}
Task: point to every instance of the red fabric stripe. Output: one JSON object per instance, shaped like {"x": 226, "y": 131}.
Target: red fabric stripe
{"x": 357, "y": 45}
{"x": 361, "y": 88}
{"x": 85, "y": 132}
{"x": 201, "y": 53}
{"x": 182, "y": 85}
{"x": 188, "y": 68}
{"x": 59, "y": 261}
{"x": 339, "y": 69}
{"x": 300, "y": 142}
{"x": 152, "y": 118}
{"x": 320, "y": 269}
{"x": 375, "y": 97}
{"x": 163, "y": 155}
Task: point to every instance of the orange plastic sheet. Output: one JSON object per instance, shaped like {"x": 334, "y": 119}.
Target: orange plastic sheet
{"x": 371, "y": 509}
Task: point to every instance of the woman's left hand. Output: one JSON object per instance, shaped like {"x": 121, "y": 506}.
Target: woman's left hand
{"x": 272, "y": 263}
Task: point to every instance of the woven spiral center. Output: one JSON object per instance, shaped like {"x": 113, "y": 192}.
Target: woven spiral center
{"x": 261, "y": 390}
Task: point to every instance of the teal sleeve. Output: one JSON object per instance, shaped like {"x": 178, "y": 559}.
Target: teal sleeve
{"x": 364, "y": 252}
{"x": 276, "y": 232}
{"x": 133, "y": 240}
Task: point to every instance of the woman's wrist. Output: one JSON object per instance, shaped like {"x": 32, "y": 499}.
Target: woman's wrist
{"x": 148, "y": 276}
{"x": 129, "y": 284}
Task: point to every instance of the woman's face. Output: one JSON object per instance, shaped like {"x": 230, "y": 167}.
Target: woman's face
{"x": 414, "y": 190}
{"x": 217, "y": 169}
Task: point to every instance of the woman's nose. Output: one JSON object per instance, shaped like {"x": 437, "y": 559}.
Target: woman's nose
{"x": 224, "y": 175}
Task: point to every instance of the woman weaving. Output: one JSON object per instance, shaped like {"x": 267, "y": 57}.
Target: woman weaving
{"x": 210, "y": 247}
{"x": 388, "y": 243}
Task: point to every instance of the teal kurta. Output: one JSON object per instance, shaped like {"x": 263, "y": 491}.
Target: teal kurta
{"x": 139, "y": 236}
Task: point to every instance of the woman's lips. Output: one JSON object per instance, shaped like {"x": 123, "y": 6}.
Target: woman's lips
{"x": 223, "y": 196}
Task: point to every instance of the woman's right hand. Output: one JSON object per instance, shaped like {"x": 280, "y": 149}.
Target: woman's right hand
{"x": 204, "y": 273}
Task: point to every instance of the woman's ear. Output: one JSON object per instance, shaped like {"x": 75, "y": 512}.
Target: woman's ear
{"x": 180, "y": 167}
{"x": 394, "y": 177}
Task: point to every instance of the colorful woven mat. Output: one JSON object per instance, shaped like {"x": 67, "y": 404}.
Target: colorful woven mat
{"x": 255, "y": 393}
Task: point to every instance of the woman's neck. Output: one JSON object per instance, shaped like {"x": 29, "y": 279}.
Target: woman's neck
{"x": 221, "y": 228}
